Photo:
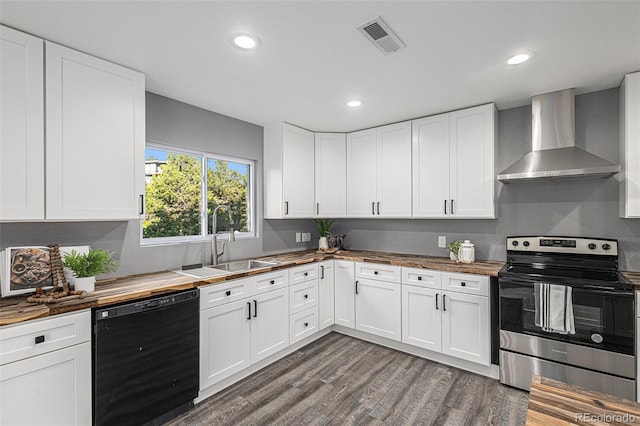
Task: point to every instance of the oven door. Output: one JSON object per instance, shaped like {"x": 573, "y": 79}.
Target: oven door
{"x": 604, "y": 318}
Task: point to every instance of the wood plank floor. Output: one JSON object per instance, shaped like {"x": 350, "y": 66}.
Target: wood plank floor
{"x": 342, "y": 380}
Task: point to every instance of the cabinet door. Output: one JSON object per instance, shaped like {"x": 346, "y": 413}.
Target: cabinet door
{"x": 331, "y": 175}
{"x": 378, "y": 308}
{"x": 49, "y": 389}
{"x": 297, "y": 172}
{"x": 326, "y": 294}
{"x": 361, "y": 173}
{"x": 95, "y": 137}
{"x": 394, "y": 170}
{"x": 269, "y": 323}
{"x": 472, "y": 153}
{"x": 421, "y": 318}
{"x": 465, "y": 327}
{"x": 630, "y": 146}
{"x": 345, "y": 304}
{"x": 431, "y": 166}
{"x": 225, "y": 341}
{"x": 21, "y": 126}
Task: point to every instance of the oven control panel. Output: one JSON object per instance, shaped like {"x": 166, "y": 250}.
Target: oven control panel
{"x": 563, "y": 245}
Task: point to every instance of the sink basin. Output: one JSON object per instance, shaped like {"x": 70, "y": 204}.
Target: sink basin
{"x": 204, "y": 272}
{"x": 241, "y": 265}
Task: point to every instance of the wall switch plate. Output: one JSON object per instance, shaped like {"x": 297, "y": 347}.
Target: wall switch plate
{"x": 306, "y": 236}
{"x": 298, "y": 237}
{"x": 442, "y": 241}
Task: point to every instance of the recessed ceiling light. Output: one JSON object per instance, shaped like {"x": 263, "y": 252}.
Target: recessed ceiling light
{"x": 246, "y": 41}
{"x": 519, "y": 58}
{"x": 355, "y": 103}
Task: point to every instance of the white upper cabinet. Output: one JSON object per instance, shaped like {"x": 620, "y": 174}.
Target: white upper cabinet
{"x": 630, "y": 146}
{"x": 95, "y": 137}
{"x": 459, "y": 183}
{"x": 288, "y": 172}
{"x": 379, "y": 172}
{"x": 331, "y": 174}
{"x": 21, "y": 126}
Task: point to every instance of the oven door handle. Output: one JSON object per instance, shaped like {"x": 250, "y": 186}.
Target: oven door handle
{"x": 575, "y": 288}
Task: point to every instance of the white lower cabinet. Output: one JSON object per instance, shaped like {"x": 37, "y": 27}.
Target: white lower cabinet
{"x": 345, "y": 303}
{"x": 225, "y": 341}
{"x": 50, "y": 382}
{"x": 269, "y": 323}
{"x": 326, "y": 294}
{"x": 454, "y": 322}
{"x": 303, "y": 324}
{"x": 378, "y": 308}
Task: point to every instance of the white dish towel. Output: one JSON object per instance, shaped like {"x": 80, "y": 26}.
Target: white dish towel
{"x": 554, "y": 308}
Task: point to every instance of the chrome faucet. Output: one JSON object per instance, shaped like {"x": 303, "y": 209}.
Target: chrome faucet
{"x": 214, "y": 241}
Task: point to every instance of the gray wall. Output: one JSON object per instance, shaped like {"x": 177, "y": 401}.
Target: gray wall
{"x": 571, "y": 208}
{"x": 174, "y": 123}
{"x": 588, "y": 208}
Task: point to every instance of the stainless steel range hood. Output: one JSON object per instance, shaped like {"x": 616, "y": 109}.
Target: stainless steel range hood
{"x": 554, "y": 154}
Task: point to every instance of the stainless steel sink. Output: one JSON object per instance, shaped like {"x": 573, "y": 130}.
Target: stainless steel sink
{"x": 241, "y": 265}
{"x": 203, "y": 272}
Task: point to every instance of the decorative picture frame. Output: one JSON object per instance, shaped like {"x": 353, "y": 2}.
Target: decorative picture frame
{"x": 25, "y": 270}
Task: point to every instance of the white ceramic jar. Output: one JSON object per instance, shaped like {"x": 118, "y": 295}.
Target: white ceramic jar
{"x": 467, "y": 252}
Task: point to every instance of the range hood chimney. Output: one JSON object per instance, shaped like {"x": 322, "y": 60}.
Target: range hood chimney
{"x": 554, "y": 154}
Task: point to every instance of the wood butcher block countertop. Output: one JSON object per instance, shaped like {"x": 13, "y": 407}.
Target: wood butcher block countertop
{"x": 17, "y": 309}
{"x": 553, "y": 403}
{"x": 634, "y": 277}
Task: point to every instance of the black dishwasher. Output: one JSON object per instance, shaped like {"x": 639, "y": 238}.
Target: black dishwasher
{"x": 145, "y": 359}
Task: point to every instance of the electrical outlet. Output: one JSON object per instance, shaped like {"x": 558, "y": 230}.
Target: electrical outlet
{"x": 306, "y": 236}
{"x": 298, "y": 237}
{"x": 442, "y": 241}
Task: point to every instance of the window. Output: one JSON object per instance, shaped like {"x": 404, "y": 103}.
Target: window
{"x": 184, "y": 187}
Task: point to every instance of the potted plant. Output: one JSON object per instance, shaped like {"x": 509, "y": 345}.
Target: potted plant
{"x": 454, "y": 248}
{"x": 86, "y": 266}
{"x": 323, "y": 226}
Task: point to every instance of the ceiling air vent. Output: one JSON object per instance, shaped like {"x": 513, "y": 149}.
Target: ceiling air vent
{"x": 381, "y": 35}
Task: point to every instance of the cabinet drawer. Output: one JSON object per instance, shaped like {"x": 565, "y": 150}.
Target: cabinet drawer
{"x": 378, "y": 272}
{"x": 19, "y": 341}
{"x": 303, "y": 296}
{"x": 466, "y": 283}
{"x": 422, "y": 277}
{"x": 303, "y": 324}
{"x": 219, "y": 294}
{"x": 270, "y": 281}
{"x": 300, "y": 274}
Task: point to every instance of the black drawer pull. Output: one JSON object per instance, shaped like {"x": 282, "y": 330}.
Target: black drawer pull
{"x": 463, "y": 284}
{"x": 272, "y": 282}
{"x": 375, "y": 272}
{"x": 39, "y": 339}
{"x": 255, "y": 308}
{"x": 306, "y": 296}
{"x": 306, "y": 273}
{"x": 419, "y": 278}
{"x": 306, "y": 324}
{"x": 228, "y": 293}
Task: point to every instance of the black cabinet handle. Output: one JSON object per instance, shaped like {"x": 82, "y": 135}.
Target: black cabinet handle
{"x": 375, "y": 272}
{"x": 373, "y": 207}
{"x": 445, "y": 206}
{"x": 286, "y": 207}
{"x": 272, "y": 282}
{"x": 317, "y": 208}
{"x": 39, "y": 339}
{"x": 463, "y": 284}
{"x": 436, "y": 301}
{"x": 444, "y": 302}
{"x": 419, "y": 278}
{"x": 357, "y": 286}
{"x": 306, "y": 273}
{"x": 452, "y": 206}
{"x": 321, "y": 272}
{"x": 306, "y": 324}
{"x": 306, "y": 296}
{"x": 141, "y": 211}
{"x": 249, "y": 304}
{"x": 228, "y": 293}
{"x": 255, "y": 308}
{"x": 378, "y": 207}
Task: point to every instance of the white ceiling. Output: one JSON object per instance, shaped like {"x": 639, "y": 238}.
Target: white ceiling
{"x": 313, "y": 59}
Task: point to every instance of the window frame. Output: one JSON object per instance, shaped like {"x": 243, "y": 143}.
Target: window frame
{"x": 204, "y": 219}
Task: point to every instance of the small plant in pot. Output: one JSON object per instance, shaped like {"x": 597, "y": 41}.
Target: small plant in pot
{"x": 454, "y": 248}
{"x": 86, "y": 266}
{"x": 323, "y": 226}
